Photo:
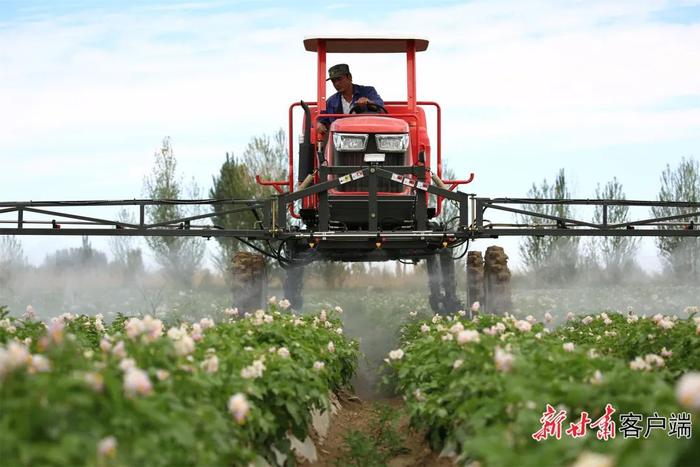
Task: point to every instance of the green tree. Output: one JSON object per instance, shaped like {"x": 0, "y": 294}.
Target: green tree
{"x": 233, "y": 182}
{"x": 178, "y": 256}
{"x": 681, "y": 255}
{"x": 551, "y": 259}
{"x": 264, "y": 155}
{"x": 12, "y": 259}
{"x": 126, "y": 258}
{"x": 616, "y": 254}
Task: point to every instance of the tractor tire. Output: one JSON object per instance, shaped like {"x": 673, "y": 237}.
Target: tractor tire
{"x": 435, "y": 294}
{"x": 450, "y": 302}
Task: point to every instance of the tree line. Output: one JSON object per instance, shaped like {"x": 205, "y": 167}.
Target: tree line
{"x": 559, "y": 260}
{"x": 549, "y": 259}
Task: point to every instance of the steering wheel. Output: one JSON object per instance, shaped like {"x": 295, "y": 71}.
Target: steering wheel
{"x": 368, "y": 107}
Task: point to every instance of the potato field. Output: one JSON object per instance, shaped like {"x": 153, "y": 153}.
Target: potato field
{"x": 280, "y": 387}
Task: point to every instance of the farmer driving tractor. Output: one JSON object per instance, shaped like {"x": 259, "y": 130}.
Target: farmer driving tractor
{"x": 349, "y": 98}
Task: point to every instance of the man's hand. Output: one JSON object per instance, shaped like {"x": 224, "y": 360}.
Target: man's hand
{"x": 363, "y": 101}
{"x": 321, "y": 130}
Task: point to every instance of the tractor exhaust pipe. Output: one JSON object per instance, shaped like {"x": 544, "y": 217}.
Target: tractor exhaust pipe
{"x": 438, "y": 182}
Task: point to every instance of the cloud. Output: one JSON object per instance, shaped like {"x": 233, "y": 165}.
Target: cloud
{"x": 90, "y": 92}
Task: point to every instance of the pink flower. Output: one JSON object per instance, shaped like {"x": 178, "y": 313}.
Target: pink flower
{"x": 239, "y": 407}
{"x": 666, "y": 353}
{"x": 688, "y": 391}
{"x": 284, "y": 304}
{"x": 467, "y": 336}
{"x": 523, "y": 326}
{"x": 568, "y": 346}
{"x": 503, "y": 360}
{"x": 318, "y": 366}
{"x": 424, "y": 328}
{"x": 211, "y": 364}
{"x": 475, "y": 307}
{"x": 136, "y": 381}
{"x": 107, "y": 447}
{"x": 95, "y": 381}
{"x": 548, "y": 317}
{"x": 283, "y": 352}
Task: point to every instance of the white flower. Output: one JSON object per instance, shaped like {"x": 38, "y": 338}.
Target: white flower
{"x": 458, "y": 327}
{"x": 396, "y": 354}
{"x": 162, "y": 375}
{"x": 94, "y": 380}
{"x": 136, "y": 381}
{"x": 412, "y": 314}
{"x": 118, "y": 350}
{"x": 206, "y": 323}
{"x": 639, "y": 364}
{"x": 688, "y": 310}
{"x": 231, "y": 312}
{"x": 318, "y": 366}
{"x": 568, "y": 346}
{"x": 436, "y": 319}
{"x": 272, "y": 300}
{"x": 688, "y": 391}
{"x": 184, "y": 345}
{"x": 284, "y": 304}
{"x": 424, "y": 328}
{"x": 593, "y": 459}
{"x": 457, "y": 363}
{"x": 657, "y": 317}
{"x": 29, "y": 314}
{"x": 419, "y": 395}
{"x": 597, "y": 378}
{"x": 538, "y": 335}
{"x": 570, "y": 316}
{"x": 331, "y": 347}
{"x": 447, "y": 337}
{"x": 462, "y": 313}
{"x": 503, "y": 360}
{"x": 196, "y": 333}
{"x": 530, "y": 319}
{"x": 475, "y": 307}
{"x": 107, "y": 447}
{"x": 323, "y": 316}
{"x": 239, "y": 407}
{"x": 666, "y": 353}
{"x": 654, "y": 360}
{"x": 15, "y": 356}
{"x": 548, "y": 318}
{"x": 127, "y": 364}
{"x": 523, "y": 326}
{"x": 211, "y": 364}
{"x": 283, "y": 352}
{"x": 39, "y": 363}
{"x": 339, "y": 310}
{"x": 339, "y": 331}
{"x": 468, "y": 335}
{"x": 134, "y": 328}
{"x": 665, "y": 323}
{"x": 587, "y": 320}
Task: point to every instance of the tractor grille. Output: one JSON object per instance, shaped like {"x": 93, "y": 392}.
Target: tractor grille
{"x": 357, "y": 158}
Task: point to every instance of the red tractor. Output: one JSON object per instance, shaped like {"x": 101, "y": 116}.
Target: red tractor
{"x": 371, "y": 191}
{"x": 378, "y": 168}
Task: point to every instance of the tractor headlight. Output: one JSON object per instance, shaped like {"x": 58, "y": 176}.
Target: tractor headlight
{"x": 350, "y": 141}
{"x": 392, "y": 143}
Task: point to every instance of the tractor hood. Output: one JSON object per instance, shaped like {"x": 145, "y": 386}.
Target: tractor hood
{"x": 369, "y": 124}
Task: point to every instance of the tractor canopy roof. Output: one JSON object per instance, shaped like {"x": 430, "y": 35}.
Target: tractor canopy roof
{"x": 365, "y": 44}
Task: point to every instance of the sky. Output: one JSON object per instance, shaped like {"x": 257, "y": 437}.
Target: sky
{"x": 89, "y": 89}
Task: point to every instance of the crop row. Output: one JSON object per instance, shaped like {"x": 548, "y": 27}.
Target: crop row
{"x": 77, "y": 391}
{"x": 508, "y": 391}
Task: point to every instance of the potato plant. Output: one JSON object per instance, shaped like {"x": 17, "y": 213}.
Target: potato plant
{"x": 480, "y": 386}
{"x": 136, "y": 391}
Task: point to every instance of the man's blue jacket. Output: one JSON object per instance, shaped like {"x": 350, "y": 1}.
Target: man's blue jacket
{"x": 334, "y": 104}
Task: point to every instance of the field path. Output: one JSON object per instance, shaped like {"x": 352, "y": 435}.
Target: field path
{"x": 409, "y": 448}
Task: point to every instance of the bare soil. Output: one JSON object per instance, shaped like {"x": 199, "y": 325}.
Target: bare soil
{"x": 360, "y": 415}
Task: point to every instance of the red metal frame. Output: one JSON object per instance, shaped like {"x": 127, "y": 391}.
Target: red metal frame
{"x": 411, "y": 104}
